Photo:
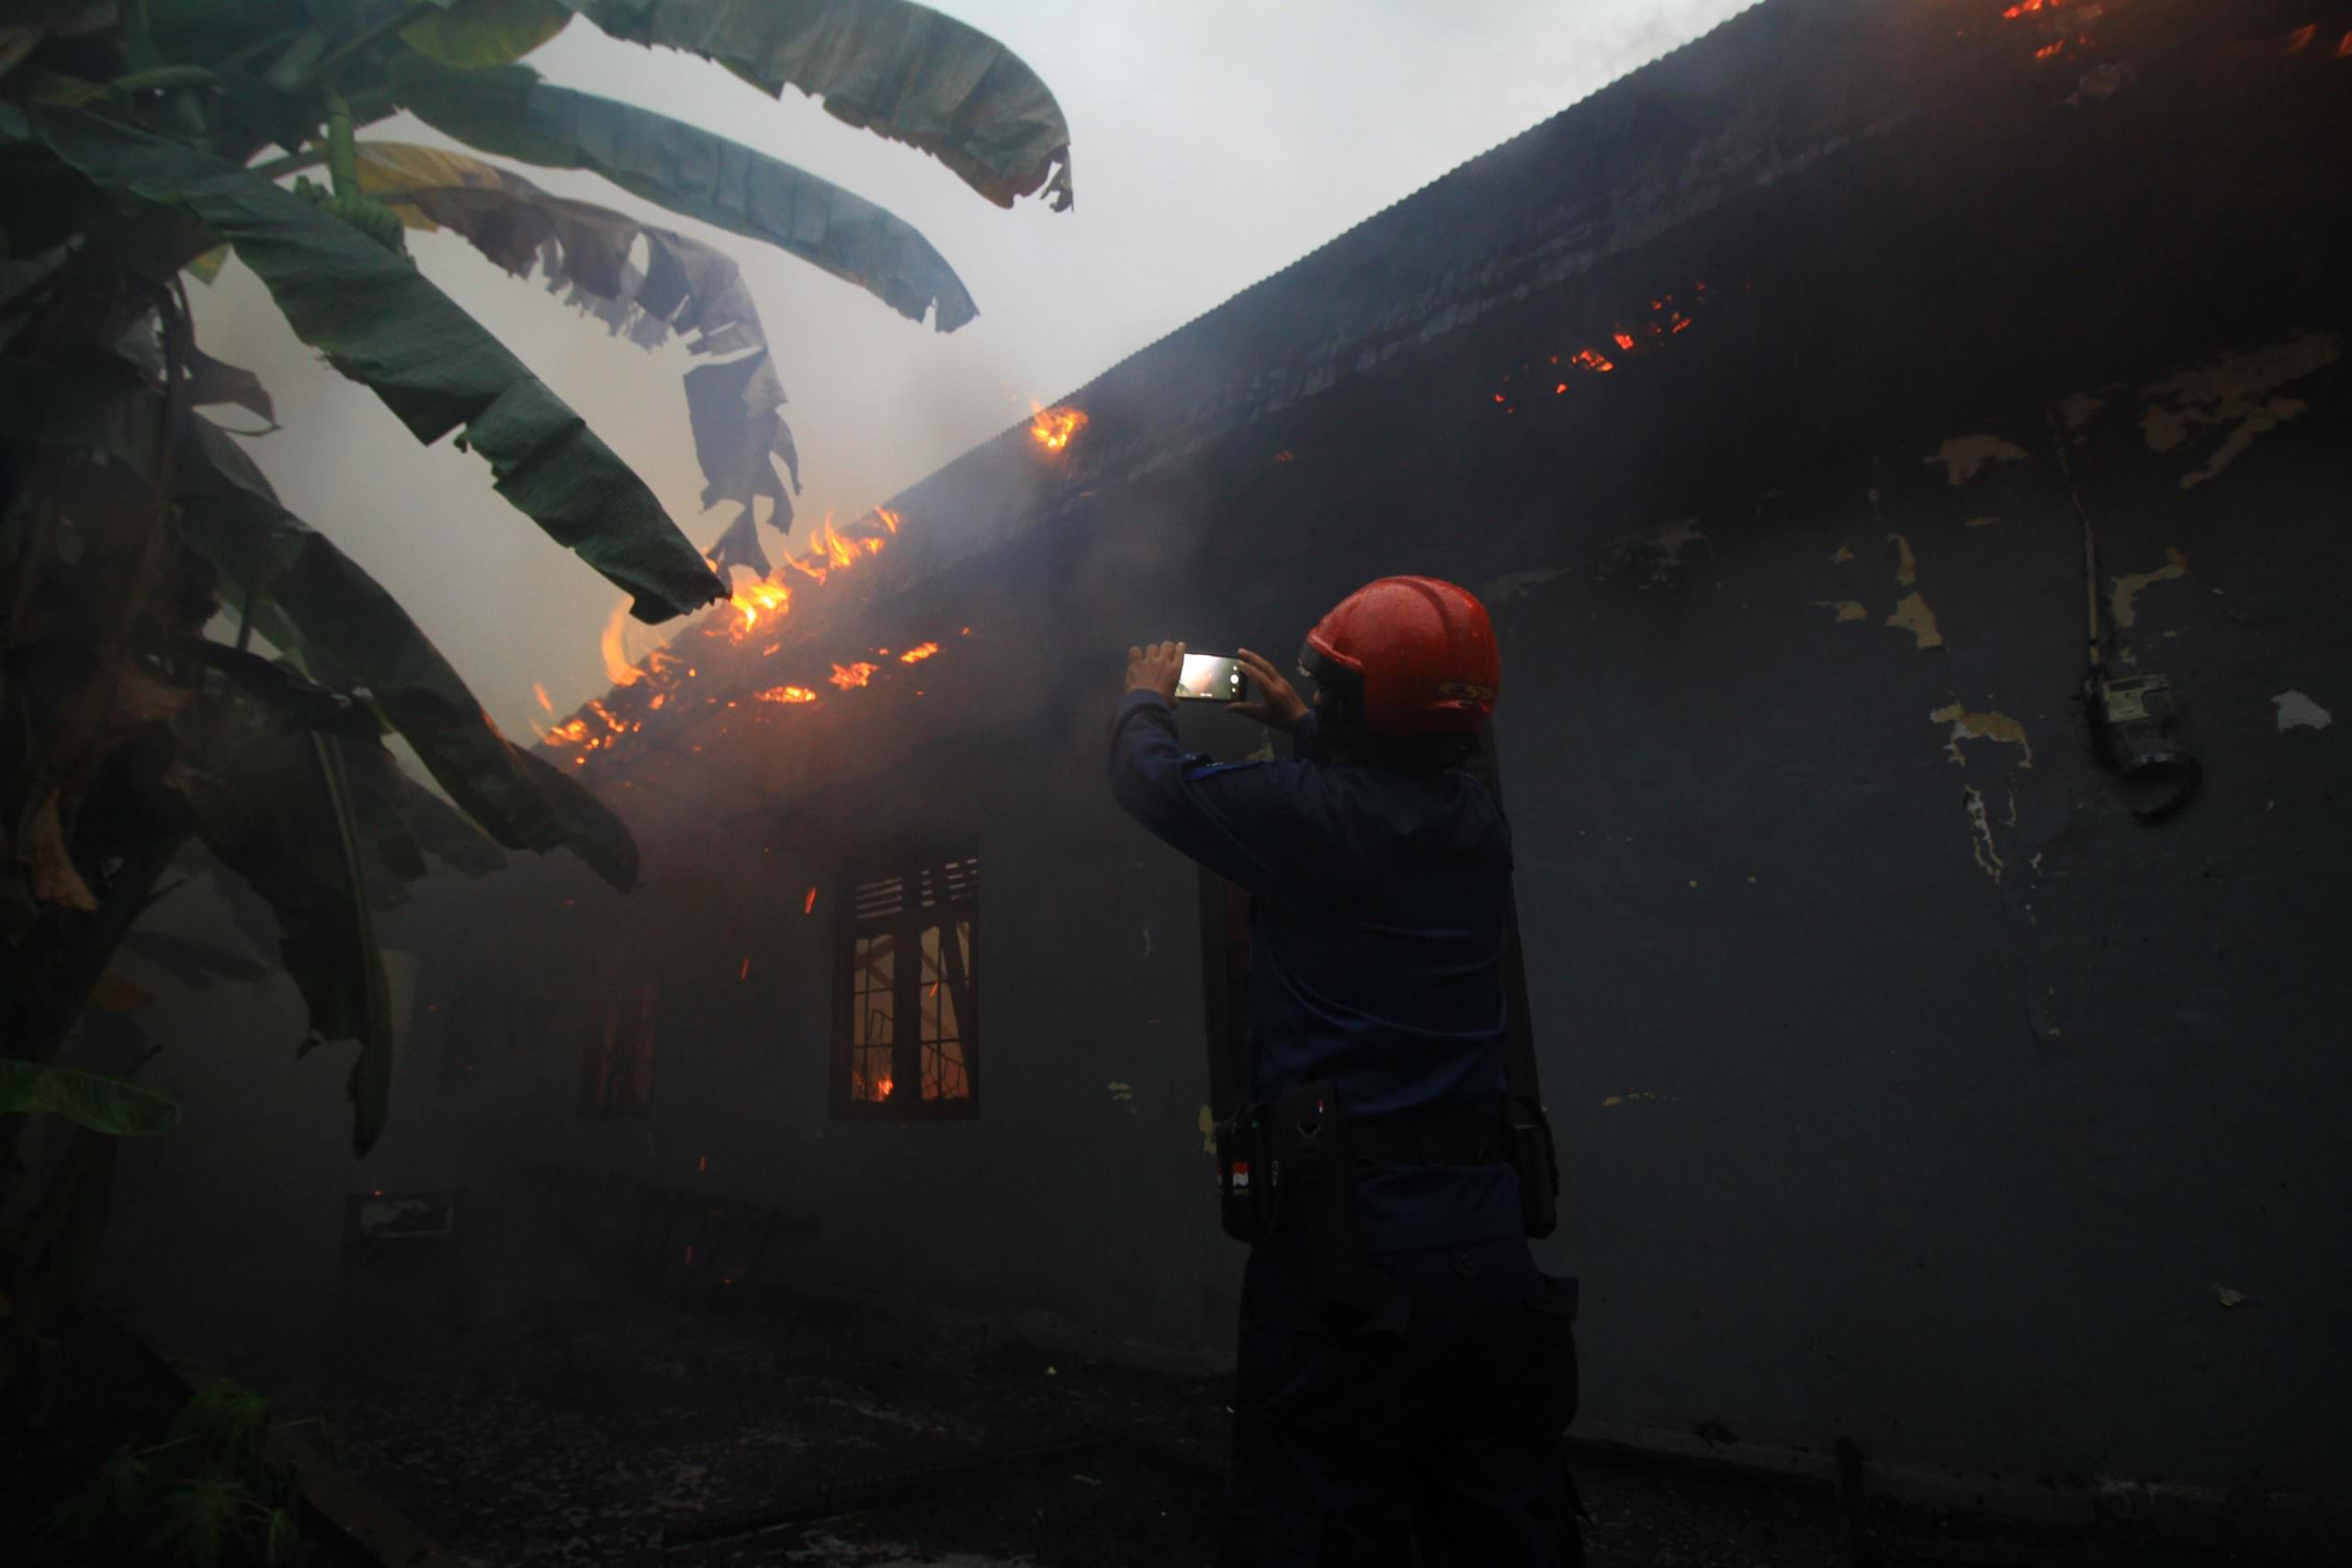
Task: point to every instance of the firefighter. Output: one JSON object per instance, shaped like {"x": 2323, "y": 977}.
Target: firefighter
{"x": 1405, "y": 1371}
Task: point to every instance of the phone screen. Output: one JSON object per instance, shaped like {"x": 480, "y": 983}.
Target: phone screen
{"x": 1212, "y": 678}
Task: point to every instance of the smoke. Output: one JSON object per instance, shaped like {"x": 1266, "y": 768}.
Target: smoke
{"x": 1214, "y": 144}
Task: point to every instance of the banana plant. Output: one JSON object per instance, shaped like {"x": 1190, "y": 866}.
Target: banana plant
{"x": 182, "y": 658}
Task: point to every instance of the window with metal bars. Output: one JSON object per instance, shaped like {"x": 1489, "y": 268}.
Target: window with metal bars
{"x": 906, "y": 1014}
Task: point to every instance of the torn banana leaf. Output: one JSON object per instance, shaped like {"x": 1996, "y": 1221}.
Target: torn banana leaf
{"x": 510, "y": 112}
{"x": 381, "y": 323}
{"x": 899, "y": 70}
{"x": 736, "y": 408}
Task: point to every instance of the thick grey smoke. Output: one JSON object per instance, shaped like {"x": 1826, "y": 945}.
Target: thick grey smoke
{"x": 1215, "y": 142}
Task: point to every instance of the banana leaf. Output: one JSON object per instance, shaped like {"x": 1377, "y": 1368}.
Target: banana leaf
{"x": 347, "y": 631}
{"x": 381, "y": 323}
{"x": 271, "y": 800}
{"x": 736, "y": 409}
{"x": 899, "y": 70}
{"x": 103, "y": 1104}
{"x": 473, "y": 34}
{"x": 512, "y": 112}
{"x": 317, "y": 605}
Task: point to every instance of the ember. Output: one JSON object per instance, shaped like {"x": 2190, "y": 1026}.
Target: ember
{"x": 2303, "y": 37}
{"x": 1052, "y": 428}
{"x": 786, "y": 694}
{"x": 854, "y": 675}
{"x": 808, "y": 906}
{"x": 918, "y": 653}
{"x": 541, "y": 693}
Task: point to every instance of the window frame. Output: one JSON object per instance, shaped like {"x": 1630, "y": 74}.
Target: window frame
{"x": 906, "y": 924}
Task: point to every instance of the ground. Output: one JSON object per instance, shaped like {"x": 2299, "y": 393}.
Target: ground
{"x": 772, "y": 1429}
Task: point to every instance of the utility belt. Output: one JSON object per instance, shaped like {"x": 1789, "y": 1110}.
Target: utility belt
{"x": 1288, "y": 1168}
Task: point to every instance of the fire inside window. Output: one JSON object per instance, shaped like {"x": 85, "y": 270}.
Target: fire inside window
{"x": 905, "y": 1035}
{"x": 616, "y": 1065}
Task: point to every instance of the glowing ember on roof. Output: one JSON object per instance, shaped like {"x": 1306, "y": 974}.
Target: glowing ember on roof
{"x": 1052, "y": 428}
{"x": 786, "y": 694}
{"x": 853, "y": 675}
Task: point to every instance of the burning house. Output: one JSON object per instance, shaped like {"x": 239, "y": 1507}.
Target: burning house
{"x": 1906, "y": 448}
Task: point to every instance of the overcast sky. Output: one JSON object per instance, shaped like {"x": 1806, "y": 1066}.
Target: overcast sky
{"x": 1214, "y": 142}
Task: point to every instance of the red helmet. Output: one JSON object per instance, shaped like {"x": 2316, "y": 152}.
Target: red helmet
{"x": 1424, "y": 651}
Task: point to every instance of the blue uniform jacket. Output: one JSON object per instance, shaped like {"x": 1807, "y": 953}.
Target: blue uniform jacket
{"x": 1376, "y": 942}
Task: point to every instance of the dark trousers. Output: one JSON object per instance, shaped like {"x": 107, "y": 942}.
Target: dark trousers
{"x": 1436, "y": 1418}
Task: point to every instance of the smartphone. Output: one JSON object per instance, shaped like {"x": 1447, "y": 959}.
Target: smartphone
{"x": 1213, "y": 678}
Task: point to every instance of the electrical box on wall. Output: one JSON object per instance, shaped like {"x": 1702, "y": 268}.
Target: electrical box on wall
{"x": 2143, "y": 735}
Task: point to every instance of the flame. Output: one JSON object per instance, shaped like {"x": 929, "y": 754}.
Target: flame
{"x": 617, "y": 668}
{"x": 836, "y": 549}
{"x": 541, "y": 693}
{"x": 1052, "y": 428}
{"x": 571, "y": 731}
{"x": 809, "y": 905}
{"x": 918, "y": 653}
{"x": 856, "y": 676}
{"x": 786, "y": 694}
{"x": 2027, "y": 8}
{"x": 889, "y": 519}
{"x": 601, "y": 711}
{"x": 757, "y": 599}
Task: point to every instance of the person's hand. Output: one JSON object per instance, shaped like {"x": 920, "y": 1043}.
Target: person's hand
{"x": 1278, "y": 706}
{"x": 1155, "y": 669}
